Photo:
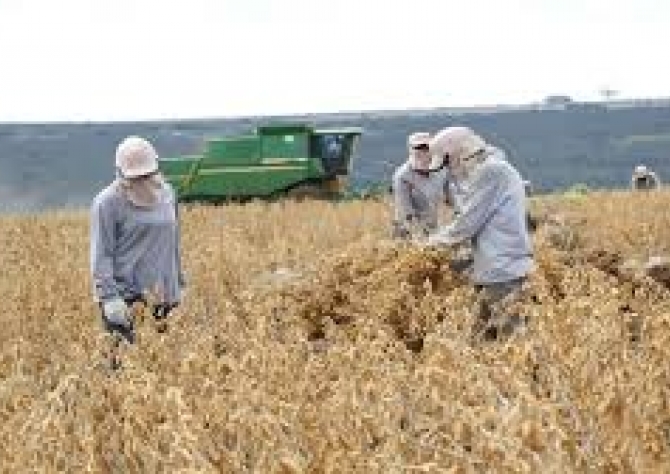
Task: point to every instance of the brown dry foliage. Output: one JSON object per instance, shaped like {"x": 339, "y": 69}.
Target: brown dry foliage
{"x": 358, "y": 359}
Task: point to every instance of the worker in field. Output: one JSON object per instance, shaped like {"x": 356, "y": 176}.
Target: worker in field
{"x": 135, "y": 252}
{"x": 493, "y": 219}
{"x": 417, "y": 190}
{"x": 644, "y": 179}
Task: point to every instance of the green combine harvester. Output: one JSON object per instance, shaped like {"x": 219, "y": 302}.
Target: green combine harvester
{"x": 276, "y": 160}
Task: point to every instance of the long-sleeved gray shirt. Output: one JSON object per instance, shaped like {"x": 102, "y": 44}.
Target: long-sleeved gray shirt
{"x": 134, "y": 250}
{"x": 493, "y": 218}
{"x": 419, "y": 196}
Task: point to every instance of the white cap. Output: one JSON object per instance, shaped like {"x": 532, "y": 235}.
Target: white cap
{"x": 136, "y": 157}
{"x": 460, "y": 143}
{"x": 640, "y": 169}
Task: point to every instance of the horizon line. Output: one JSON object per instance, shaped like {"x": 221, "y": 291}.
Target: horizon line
{"x": 460, "y": 110}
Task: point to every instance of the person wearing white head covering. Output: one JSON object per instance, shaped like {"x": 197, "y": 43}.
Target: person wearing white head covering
{"x": 492, "y": 218}
{"x": 135, "y": 251}
{"x": 418, "y": 191}
{"x": 644, "y": 179}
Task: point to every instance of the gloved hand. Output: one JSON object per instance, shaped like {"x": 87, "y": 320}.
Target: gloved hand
{"x": 461, "y": 265}
{"x": 116, "y": 312}
{"x": 421, "y": 242}
{"x": 399, "y": 231}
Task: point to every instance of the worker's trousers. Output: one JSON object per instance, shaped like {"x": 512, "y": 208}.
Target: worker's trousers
{"x": 496, "y": 315}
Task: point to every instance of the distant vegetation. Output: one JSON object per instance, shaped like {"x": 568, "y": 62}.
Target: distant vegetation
{"x": 555, "y": 145}
{"x": 577, "y": 191}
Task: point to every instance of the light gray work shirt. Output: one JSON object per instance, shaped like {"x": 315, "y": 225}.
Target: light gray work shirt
{"x": 493, "y": 218}
{"x": 419, "y": 196}
{"x": 135, "y": 250}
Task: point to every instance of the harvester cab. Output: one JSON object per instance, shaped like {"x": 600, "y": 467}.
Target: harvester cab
{"x": 335, "y": 149}
{"x": 273, "y": 161}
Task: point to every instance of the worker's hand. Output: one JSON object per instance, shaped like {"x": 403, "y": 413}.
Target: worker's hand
{"x": 461, "y": 265}
{"x": 399, "y": 231}
{"x": 421, "y": 241}
{"x": 117, "y": 312}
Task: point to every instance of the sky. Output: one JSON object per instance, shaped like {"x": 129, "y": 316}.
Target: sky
{"x": 99, "y": 60}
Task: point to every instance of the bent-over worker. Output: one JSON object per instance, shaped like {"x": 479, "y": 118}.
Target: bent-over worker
{"x": 492, "y": 219}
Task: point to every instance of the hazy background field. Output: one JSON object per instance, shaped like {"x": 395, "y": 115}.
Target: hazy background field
{"x": 555, "y": 146}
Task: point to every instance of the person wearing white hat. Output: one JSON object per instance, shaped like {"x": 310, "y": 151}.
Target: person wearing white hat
{"x": 644, "y": 179}
{"x": 492, "y": 218}
{"x": 418, "y": 190}
{"x": 135, "y": 249}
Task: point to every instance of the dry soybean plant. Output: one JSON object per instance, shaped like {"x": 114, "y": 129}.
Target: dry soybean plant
{"x": 309, "y": 342}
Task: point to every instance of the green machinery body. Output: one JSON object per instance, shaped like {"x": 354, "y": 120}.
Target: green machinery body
{"x": 274, "y": 160}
